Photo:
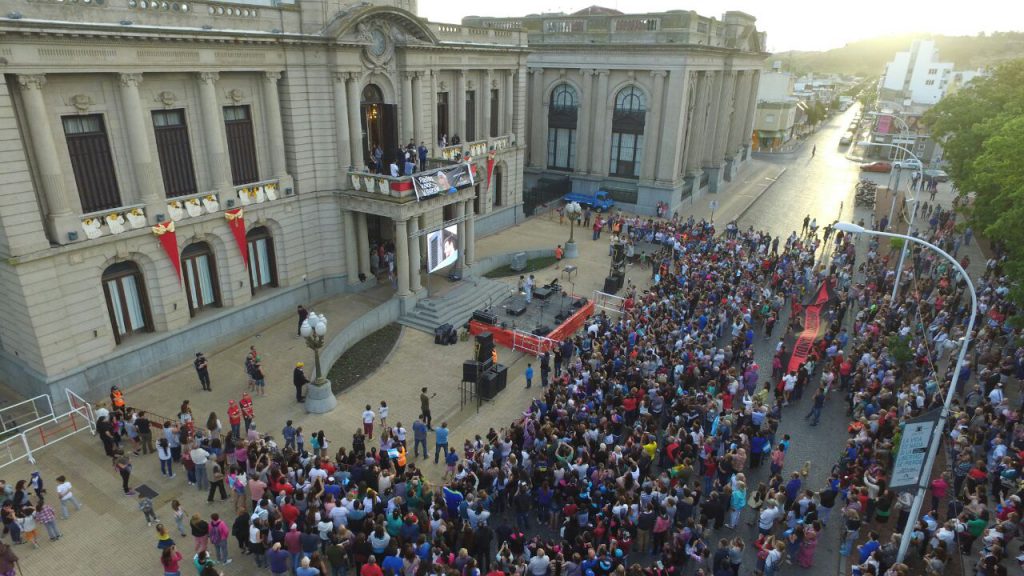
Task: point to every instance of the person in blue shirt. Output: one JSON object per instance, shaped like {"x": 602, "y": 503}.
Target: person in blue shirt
{"x": 392, "y": 564}
{"x": 452, "y": 499}
{"x": 440, "y": 441}
{"x": 529, "y": 375}
{"x": 419, "y": 431}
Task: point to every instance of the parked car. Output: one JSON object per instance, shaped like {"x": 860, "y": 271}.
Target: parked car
{"x": 937, "y": 175}
{"x": 876, "y": 167}
{"x": 908, "y": 164}
{"x": 845, "y": 140}
{"x": 600, "y": 201}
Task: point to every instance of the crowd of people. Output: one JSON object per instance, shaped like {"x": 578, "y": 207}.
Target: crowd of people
{"x": 654, "y": 448}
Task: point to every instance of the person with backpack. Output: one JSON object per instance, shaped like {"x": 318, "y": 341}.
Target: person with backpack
{"x": 219, "y": 533}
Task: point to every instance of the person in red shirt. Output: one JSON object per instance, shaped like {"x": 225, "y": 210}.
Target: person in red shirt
{"x": 247, "y": 411}
{"x": 371, "y": 568}
{"x": 290, "y": 513}
{"x": 234, "y": 418}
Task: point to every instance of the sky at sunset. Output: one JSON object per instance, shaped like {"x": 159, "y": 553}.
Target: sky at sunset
{"x": 790, "y": 24}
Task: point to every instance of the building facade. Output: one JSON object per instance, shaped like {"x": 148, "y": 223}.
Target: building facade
{"x": 649, "y": 107}
{"x": 916, "y": 76}
{"x": 134, "y": 131}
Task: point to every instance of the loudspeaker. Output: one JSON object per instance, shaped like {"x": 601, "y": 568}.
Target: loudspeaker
{"x": 502, "y": 372}
{"x": 441, "y": 333}
{"x": 542, "y": 331}
{"x": 470, "y": 369}
{"x": 542, "y": 293}
{"x": 484, "y": 346}
{"x": 485, "y": 317}
{"x": 613, "y": 284}
{"x": 579, "y": 303}
{"x": 487, "y": 388}
{"x": 516, "y": 306}
{"x": 519, "y": 261}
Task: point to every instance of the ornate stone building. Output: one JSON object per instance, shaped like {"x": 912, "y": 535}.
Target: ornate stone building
{"x": 121, "y": 117}
{"x": 650, "y": 107}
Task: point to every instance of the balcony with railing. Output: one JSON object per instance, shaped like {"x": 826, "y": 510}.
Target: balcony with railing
{"x": 456, "y": 33}
{"x": 674, "y": 27}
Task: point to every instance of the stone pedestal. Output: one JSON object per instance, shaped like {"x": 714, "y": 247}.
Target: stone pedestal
{"x": 571, "y": 250}
{"x": 320, "y": 399}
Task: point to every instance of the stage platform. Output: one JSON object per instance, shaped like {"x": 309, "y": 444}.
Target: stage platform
{"x": 550, "y": 317}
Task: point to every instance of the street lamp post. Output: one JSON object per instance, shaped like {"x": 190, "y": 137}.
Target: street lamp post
{"x": 910, "y": 225}
{"x": 572, "y": 211}
{"x": 319, "y": 397}
{"x": 905, "y": 129}
{"x": 940, "y": 426}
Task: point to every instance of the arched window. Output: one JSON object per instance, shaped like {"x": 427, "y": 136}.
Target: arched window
{"x": 127, "y": 305}
{"x": 262, "y": 266}
{"x": 562, "y": 115}
{"x": 200, "y": 271}
{"x": 628, "y": 132}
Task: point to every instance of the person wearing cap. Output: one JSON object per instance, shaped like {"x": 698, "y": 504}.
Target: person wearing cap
{"x": 203, "y": 370}
{"x": 299, "y": 379}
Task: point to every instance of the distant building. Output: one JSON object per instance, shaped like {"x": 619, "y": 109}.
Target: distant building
{"x": 915, "y": 76}
{"x": 776, "y": 113}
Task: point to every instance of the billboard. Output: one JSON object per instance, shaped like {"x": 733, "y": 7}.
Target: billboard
{"x": 442, "y": 248}
{"x": 442, "y": 180}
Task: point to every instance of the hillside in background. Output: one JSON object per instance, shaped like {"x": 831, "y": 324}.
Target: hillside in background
{"x": 868, "y": 57}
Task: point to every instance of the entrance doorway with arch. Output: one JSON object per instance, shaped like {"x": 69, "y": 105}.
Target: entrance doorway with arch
{"x": 380, "y": 127}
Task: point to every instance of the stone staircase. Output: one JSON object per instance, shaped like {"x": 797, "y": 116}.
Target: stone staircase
{"x": 457, "y": 306}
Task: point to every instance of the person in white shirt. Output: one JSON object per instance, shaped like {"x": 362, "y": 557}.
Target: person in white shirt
{"x": 199, "y": 458}
{"x": 368, "y": 417}
{"x": 66, "y": 497}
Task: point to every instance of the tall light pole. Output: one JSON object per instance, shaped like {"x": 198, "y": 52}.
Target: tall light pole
{"x": 940, "y": 426}
{"x": 313, "y": 329}
{"x": 910, "y": 225}
{"x": 572, "y": 210}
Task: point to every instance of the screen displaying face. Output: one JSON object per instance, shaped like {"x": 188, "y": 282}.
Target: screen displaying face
{"x": 442, "y": 248}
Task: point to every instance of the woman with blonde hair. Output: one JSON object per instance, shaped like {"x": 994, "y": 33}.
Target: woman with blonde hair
{"x": 200, "y": 532}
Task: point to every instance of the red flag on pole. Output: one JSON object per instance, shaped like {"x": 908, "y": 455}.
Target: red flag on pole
{"x": 169, "y": 241}
{"x": 236, "y": 221}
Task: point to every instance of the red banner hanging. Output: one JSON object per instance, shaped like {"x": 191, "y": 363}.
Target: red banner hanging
{"x": 169, "y": 241}
{"x": 236, "y": 221}
{"x": 490, "y": 167}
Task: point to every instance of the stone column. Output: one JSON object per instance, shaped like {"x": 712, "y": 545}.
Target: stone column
{"x": 434, "y": 128}
{"x": 726, "y": 115}
{"x": 602, "y": 133}
{"x": 583, "y": 121}
{"x": 407, "y": 118}
{"x": 417, "y": 108}
{"x": 739, "y": 115}
{"x": 146, "y": 179}
{"x": 712, "y": 123}
{"x": 538, "y": 137}
{"x": 351, "y": 247}
{"x": 460, "y": 212}
{"x": 275, "y": 132}
{"x": 58, "y": 205}
{"x": 672, "y": 146}
{"x": 402, "y": 256}
{"x": 355, "y": 129}
{"x": 508, "y": 98}
{"x": 213, "y": 132}
{"x": 485, "y": 103}
{"x": 470, "y": 234}
{"x": 694, "y": 144}
{"x": 363, "y": 244}
{"x": 652, "y": 136}
{"x": 460, "y": 105}
{"x": 341, "y": 131}
{"x": 748, "y": 123}
{"x": 414, "y": 254}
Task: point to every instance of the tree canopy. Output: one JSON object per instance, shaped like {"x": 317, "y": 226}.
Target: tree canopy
{"x": 981, "y": 126}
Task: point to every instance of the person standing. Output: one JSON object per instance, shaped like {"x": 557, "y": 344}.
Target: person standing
{"x": 234, "y": 419}
{"x": 299, "y": 379}
{"x": 368, "y": 417}
{"x": 245, "y": 404}
{"x": 145, "y": 430}
{"x": 440, "y": 441}
{"x": 216, "y": 476}
{"x": 199, "y": 457}
{"x": 422, "y": 152}
{"x": 545, "y": 369}
{"x": 123, "y": 465}
{"x": 163, "y": 452}
{"x": 303, "y": 313}
{"x": 528, "y": 288}
{"x": 419, "y": 431}
{"x": 425, "y": 406}
{"x": 66, "y": 496}
{"x": 219, "y": 533}
{"x": 529, "y": 375}
{"x": 203, "y": 370}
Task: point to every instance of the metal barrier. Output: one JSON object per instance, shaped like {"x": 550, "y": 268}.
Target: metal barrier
{"x": 26, "y": 413}
{"x": 608, "y": 302}
{"x": 46, "y": 430}
{"x": 531, "y": 343}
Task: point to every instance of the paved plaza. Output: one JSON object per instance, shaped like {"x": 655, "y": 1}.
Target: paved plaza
{"x": 110, "y": 536}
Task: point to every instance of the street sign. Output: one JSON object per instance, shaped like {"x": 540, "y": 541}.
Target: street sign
{"x": 714, "y": 205}
{"x": 917, "y": 435}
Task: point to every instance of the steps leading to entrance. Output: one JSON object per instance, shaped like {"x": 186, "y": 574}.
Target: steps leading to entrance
{"x": 457, "y": 306}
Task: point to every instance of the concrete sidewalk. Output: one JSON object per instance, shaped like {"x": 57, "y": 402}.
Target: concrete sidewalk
{"x": 109, "y": 519}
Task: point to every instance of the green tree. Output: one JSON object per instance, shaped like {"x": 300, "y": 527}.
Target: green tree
{"x": 981, "y": 128}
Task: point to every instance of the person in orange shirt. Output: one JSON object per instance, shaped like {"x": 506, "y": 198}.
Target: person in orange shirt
{"x": 116, "y": 398}
{"x": 559, "y": 252}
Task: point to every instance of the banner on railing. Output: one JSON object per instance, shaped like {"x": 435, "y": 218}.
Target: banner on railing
{"x": 442, "y": 181}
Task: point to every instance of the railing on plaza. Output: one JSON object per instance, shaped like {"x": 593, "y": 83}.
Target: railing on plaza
{"x": 608, "y": 303}
{"x": 531, "y": 343}
{"x": 26, "y": 413}
{"x": 22, "y": 442}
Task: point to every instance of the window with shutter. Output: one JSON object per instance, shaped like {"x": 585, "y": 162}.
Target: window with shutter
{"x": 175, "y": 153}
{"x": 241, "y": 145}
{"x": 91, "y": 162}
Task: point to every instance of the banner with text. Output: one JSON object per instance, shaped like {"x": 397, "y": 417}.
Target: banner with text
{"x": 442, "y": 180}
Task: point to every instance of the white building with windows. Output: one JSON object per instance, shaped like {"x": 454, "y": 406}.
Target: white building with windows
{"x": 178, "y": 172}
{"x": 916, "y": 76}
